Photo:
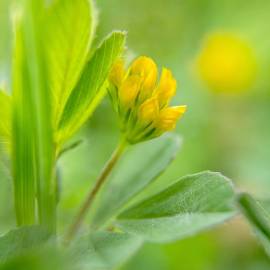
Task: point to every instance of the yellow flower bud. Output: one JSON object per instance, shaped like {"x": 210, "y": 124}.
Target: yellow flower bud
{"x": 147, "y": 69}
{"x": 148, "y": 111}
{"x": 168, "y": 117}
{"x": 117, "y": 73}
{"x": 142, "y": 105}
{"x": 129, "y": 90}
{"x": 166, "y": 88}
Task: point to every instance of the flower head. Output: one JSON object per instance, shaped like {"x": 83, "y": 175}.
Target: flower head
{"x": 142, "y": 102}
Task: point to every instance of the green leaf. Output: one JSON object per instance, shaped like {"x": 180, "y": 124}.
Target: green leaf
{"x": 18, "y": 241}
{"x": 104, "y": 250}
{"x": 70, "y": 29}
{"x": 5, "y": 116}
{"x": 32, "y": 142}
{"x": 258, "y": 216}
{"x": 36, "y": 259}
{"x": 194, "y": 203}
{"x": 139, "y": 167}
{"x": 5, "y": 30}
{"x": 90, "y": 89}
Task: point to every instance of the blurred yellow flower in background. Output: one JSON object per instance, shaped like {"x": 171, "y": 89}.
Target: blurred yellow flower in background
{"x": 142, "y": 102}
{"x": 226, "y": 63}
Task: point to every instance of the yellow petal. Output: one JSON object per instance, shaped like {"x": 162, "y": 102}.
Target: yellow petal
{"x": 143, "y": 65}
{"x": 117, "y": 73}
{"x": 129, "y": 90}
{"x": 166, "y": 88}
{"x": 148, "y": 111}
{"x": 168, "y": 117}
{"x": 147, "y": 69}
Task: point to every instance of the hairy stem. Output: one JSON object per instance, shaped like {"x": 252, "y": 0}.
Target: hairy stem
{"x": 75, "y": 226}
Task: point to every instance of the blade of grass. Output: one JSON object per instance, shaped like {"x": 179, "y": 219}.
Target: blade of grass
{"x": 22, "y": 145}
{"x": 32, "y": 127}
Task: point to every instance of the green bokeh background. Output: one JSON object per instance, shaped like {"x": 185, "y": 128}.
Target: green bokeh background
{"x": 225, "y": 133}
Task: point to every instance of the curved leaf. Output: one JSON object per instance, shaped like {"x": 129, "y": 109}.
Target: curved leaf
{"x": 89, "y": 91}
{"x": 194, "y": 203}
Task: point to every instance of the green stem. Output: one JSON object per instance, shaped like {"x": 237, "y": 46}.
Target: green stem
{"x": 75, "y": 226}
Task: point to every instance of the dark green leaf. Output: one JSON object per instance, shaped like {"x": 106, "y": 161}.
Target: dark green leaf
{"x": 194, "y": 203}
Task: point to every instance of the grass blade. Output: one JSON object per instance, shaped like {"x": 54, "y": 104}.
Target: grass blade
{"x": 32, "y": 128}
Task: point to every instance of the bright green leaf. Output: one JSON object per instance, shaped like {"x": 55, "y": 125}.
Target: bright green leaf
{"x": 194, "y": 203}
{"x": 5, "y": 30}
{"x": 70, "y": 28}
{"x": 104, "y": 250}
{"x": 32, "y": 142}
{"x": 139, "y": 166}
{"x": 90, "y": 89}
{"x": 259, "y": 217}
{"x": 5, "y": 116}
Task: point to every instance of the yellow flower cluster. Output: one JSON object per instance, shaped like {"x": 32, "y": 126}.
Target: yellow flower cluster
{"x": 141, "y": 102}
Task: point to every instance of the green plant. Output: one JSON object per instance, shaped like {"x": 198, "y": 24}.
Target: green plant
{"x": 258, "y": 215}
{"x": 58, "y": 80}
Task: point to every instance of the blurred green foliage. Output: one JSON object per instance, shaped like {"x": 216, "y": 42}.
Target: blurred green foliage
{"x": 226, "y": 133}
